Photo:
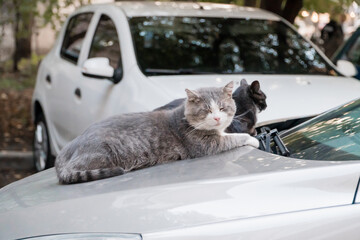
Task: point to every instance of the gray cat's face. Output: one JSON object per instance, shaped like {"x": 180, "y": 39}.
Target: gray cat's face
{"x": 210, "y": 108}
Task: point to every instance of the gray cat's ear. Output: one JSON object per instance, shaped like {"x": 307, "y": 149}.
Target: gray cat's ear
{"x": 192, "y": 95}
{"x": 228, "y": 88}
{"x": 255, "y": 86}
{"x": 243, "y": 82}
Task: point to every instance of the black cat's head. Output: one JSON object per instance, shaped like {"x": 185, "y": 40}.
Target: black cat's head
{"x": 255, "y": 93}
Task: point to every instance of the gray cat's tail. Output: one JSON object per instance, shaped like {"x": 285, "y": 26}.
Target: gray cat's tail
{"x": 68, "y": 176}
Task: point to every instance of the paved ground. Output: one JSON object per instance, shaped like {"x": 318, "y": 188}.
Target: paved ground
{"x": 14, "y": 166}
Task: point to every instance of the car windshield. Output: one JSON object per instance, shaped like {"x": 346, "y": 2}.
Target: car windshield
{"x": 332, "y": 136}
{"x": 200, "y": 45}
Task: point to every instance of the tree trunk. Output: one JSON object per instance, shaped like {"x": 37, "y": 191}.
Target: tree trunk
{"x": 23, "y": 23}
{"x": 292, "y": 9}
{"x": 16, "y": 33}
{"x": 250, "y": 3}
{"x": 272, "y": 6}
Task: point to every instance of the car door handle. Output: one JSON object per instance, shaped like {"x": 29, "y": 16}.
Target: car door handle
{"x": 77, "y": 92}
{"x": 48, "y": 79}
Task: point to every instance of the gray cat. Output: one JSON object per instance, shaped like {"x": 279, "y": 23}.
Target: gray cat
{"x": 249, "y": 100}
{"x": 132, "y": 141}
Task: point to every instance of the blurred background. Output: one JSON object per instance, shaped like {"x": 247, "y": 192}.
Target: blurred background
{"x": 28, "y": 29}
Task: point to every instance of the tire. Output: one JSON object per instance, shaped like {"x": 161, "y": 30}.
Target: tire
{"x": 42, "y": 156}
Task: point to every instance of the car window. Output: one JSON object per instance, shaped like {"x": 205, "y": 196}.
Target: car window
{"x": 354, "y": 52}
{"x": 222, "y": 45}
{"x": 74, "y": 36}
{"x": 332, "y": 136}
{"x": 105, "y": 42}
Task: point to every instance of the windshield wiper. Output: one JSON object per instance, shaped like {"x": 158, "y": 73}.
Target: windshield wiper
{"x": 266, "y": 137}
{"x": 176, "y": 71}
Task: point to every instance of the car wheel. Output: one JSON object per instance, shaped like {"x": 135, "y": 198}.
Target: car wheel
{"x": 43, "y": 158}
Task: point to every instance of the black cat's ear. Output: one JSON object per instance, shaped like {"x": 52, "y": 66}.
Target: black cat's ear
{"x": 243, "y": 82}
{"x": 255, "y": 86}
{"x": 192, "y": 95}
{"x": 228, "y": 88}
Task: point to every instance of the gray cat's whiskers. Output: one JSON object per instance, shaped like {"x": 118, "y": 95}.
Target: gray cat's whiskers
{"x": 243, "y": 114}
{"x": 194, "y": 129}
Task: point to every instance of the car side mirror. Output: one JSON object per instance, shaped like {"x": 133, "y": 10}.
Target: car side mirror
{"x": 99, "y": 67}
{"x": 346, "y": 68}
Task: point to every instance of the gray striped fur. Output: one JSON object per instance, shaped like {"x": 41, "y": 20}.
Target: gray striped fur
{"x": 132, "y": 141}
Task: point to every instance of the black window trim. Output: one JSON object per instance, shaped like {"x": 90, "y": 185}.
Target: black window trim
{"x": 120, "y": 65}
{"x": 66, "y": 30}
{"x": 351, "y": 45}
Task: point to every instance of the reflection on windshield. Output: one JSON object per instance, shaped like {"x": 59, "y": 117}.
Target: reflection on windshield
{"x": 333, "y": 136}
{"x": 222, "y": 45}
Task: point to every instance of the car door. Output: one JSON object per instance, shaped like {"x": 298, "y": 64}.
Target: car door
{"x": 98, "y": 95}
{"x": 62, "y": 79}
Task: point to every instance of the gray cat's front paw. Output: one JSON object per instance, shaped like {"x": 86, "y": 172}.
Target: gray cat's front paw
{"x": 251, "y": 141}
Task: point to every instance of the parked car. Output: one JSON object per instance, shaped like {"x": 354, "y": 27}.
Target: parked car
{"x": 349, "y": 54}
{"x": 137, "y": 56}
{"x": 331, "y": 136}
{"x": 244, "y": 193}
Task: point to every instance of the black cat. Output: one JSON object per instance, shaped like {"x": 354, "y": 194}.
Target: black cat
{"x": 249, "y": 100}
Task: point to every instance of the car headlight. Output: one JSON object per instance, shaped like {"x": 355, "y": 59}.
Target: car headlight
{"x": 88, "y": 236}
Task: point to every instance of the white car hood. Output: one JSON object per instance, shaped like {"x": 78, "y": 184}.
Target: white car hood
{"x": 241, "y": 183}
{"x": 288, "y": 96}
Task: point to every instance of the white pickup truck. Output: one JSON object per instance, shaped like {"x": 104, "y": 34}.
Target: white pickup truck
{"x": 136, "y": 56}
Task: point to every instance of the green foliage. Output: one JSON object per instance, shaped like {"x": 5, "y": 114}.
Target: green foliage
{"x": 26, "y": 76}
{"x": 329, "y": 6}
{"x": 216, "y": 1}
{"x": 23, "y": 15}
{"x": 29, "y": 66}
{"x": 53, "y": 14}
{"x": 334, "y": 7}
{"x": 17, "y": 82}
{"x": 49, "y": 14}
{"x": 13, "y": 11}
{"x": 322, "y": 6}
{"x": 237, "y": 2}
